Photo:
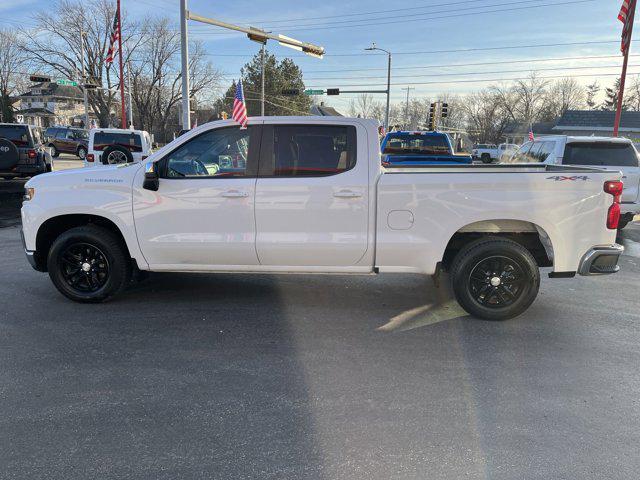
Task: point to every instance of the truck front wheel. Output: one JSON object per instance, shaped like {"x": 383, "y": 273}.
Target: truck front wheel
{"x": 89, "y": 264}
{"x": 495, "y": 278}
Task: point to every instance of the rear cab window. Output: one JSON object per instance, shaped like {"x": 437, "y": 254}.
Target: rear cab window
{"x": 416, "y": 144}
{"x": 18, "y": 134}
{"x": 130, "y": 141}
{"x": 614, "y": 154}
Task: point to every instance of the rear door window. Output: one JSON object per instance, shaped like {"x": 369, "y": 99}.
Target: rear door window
{"x": 18, "y": 134}
{"x": 310, "y": 150}
{"x": 599, "y": 154}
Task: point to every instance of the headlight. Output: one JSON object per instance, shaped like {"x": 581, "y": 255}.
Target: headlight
{"x": 29, "y": 193}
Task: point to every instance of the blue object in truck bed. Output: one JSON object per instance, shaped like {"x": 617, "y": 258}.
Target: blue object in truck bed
{"x": 415, "y": 149}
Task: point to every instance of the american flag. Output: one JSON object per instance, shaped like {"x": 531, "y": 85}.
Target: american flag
{"x": 239, "y": 107}
{"x": 625, "y": 18}
{"x": 531, "y": 135}
{"x": 115, "y": 36}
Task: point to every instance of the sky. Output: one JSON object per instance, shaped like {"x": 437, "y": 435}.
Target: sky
{"x": 437, "y": 46}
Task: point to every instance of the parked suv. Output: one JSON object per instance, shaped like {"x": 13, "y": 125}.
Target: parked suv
{"x": 22, "y": 153}
{"x": 112, "y": 146}
{"x": 600, "y": 152}
{"x": 67, "y": 140}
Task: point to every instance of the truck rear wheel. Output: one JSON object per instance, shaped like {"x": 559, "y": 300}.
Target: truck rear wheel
{"x": 495, "y": 279}
{"x": 485, "y": 157}
{"x": 89, "y": 264}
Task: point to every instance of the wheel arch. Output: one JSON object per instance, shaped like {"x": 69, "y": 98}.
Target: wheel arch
{"x": 53, "y": 227}
{"x": 528, "y": 234}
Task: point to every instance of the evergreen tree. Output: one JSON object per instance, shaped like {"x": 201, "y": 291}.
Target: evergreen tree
{"x": 611, "y": 97}
{"x": 592, "y": 92}
{"x": 279, "y": 76}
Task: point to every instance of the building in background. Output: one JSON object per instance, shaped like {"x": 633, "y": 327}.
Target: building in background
{"x": 47, "y": 104}
{"x": 598, "y": 123}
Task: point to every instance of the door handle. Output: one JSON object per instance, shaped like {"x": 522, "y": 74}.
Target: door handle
{"x": 235, "y": 194}
{"x": 347, "y": 194}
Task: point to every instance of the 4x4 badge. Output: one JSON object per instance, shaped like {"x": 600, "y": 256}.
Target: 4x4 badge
{"x": 562, "y": 178}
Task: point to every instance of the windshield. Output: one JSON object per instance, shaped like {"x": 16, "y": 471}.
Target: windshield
{"x": 407, "y": 144}
{"x": 18, "y": 134}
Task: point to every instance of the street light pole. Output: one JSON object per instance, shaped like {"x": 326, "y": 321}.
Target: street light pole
{"x": 406, "y": 110}
{"x": 386, "y": 116}
{"x": 130, "y": 95}
{"x": 184, "y": 40}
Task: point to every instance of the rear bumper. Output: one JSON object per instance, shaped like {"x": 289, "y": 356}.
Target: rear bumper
{"x": 601, "y": 260}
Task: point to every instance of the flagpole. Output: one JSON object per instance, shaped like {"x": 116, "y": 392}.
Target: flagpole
{"x": 632, "y": 14}
{"x": 122, "y": 102}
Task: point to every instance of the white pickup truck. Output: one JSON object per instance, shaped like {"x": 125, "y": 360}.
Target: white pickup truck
{"x": 307, "y": 194}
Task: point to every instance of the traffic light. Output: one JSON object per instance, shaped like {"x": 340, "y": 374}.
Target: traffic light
{"x": 291, "y": 92}
{"x": 445, "y": 110}
{"x": 333, "y": 91}
{"x": 39, "y": 79}
{"x": 432, "y": 117}
{"x": 257, "y": 35}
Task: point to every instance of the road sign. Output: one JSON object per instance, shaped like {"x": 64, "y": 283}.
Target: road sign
{"x": 333, "y": 91}
{"x": 69, "y": 83}
{"x": 39, "y": 78}
{"x": 314, "y": 92}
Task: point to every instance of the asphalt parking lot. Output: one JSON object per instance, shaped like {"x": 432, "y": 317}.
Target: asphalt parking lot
{"x": 276, "y": 377}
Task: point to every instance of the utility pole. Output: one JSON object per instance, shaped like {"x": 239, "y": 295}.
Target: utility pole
{"x": 386, "y": 116}
{"x": 184, "y": 40}
{"x": 406, "y": 110}
{"x": 122, "y": 111}
{"x": 262, "y": 80}
{"x": 627, "y": 42}
{"x": 83, "y": 78}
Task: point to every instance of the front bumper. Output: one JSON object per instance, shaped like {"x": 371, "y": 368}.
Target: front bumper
{"x": 601, "y": 260}
{"x": 31, "y": 256}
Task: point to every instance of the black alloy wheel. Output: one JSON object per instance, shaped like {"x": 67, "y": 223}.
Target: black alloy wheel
{"x": 495, "y": 278}
{"x": 89, "y": 264}
{"x": 84, "y": 267}
{"x": 497, "y": 282}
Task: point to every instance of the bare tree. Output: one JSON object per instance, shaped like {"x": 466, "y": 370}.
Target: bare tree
{"x": 564, "y": 94}
{"x": 524, "y": 101}
{"x": 486, "y": 115}
{"x": 157, "y": 79}
{"x": 11, "y": 61}
{"x": 362, "y": 106}
{"x": 592, "y": 91}
{"x": 55, "y": 44}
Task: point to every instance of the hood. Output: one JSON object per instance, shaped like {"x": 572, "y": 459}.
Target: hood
{"x": 107, "y": 175}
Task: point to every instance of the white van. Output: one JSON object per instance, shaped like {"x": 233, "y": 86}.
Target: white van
{"x": 113, "y": 146}
{"x": 609, "y": 153}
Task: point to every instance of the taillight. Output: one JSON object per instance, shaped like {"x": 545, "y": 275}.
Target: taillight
{"x": 90, "y": 157}
{"x": 32, "y": 154}
{"x": 613, "y": 216}
{"x": 614, "y": 187}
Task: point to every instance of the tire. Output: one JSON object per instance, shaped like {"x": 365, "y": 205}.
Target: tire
{"x": 486, "y": 158}
{"x": 622, "y": 224}
{"x": 81, "y": 153}
{"x": 9, "y": 177}
{"x": 495, "y": 279}
{"x": 103, "y": 266}
{"x": 54, "y": 151}
{"x": 116, "y": 155}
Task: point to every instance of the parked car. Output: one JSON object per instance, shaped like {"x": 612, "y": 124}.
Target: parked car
{"x": 113, "y": 146}
{"x": 415, "y": 149}
{"x": 67, "y": 140}
{"x": 601, "y": 152}
{"x": 22, "y": 153}
{"x": 308, "y": 194}
{"x": 485, "y": 152}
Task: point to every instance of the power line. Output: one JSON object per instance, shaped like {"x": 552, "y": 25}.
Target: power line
{"x": 483, "y": 80}
{"x": 455, "y": 15}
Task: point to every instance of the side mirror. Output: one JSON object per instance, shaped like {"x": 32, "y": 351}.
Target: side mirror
{"x": 151, "y": 177}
